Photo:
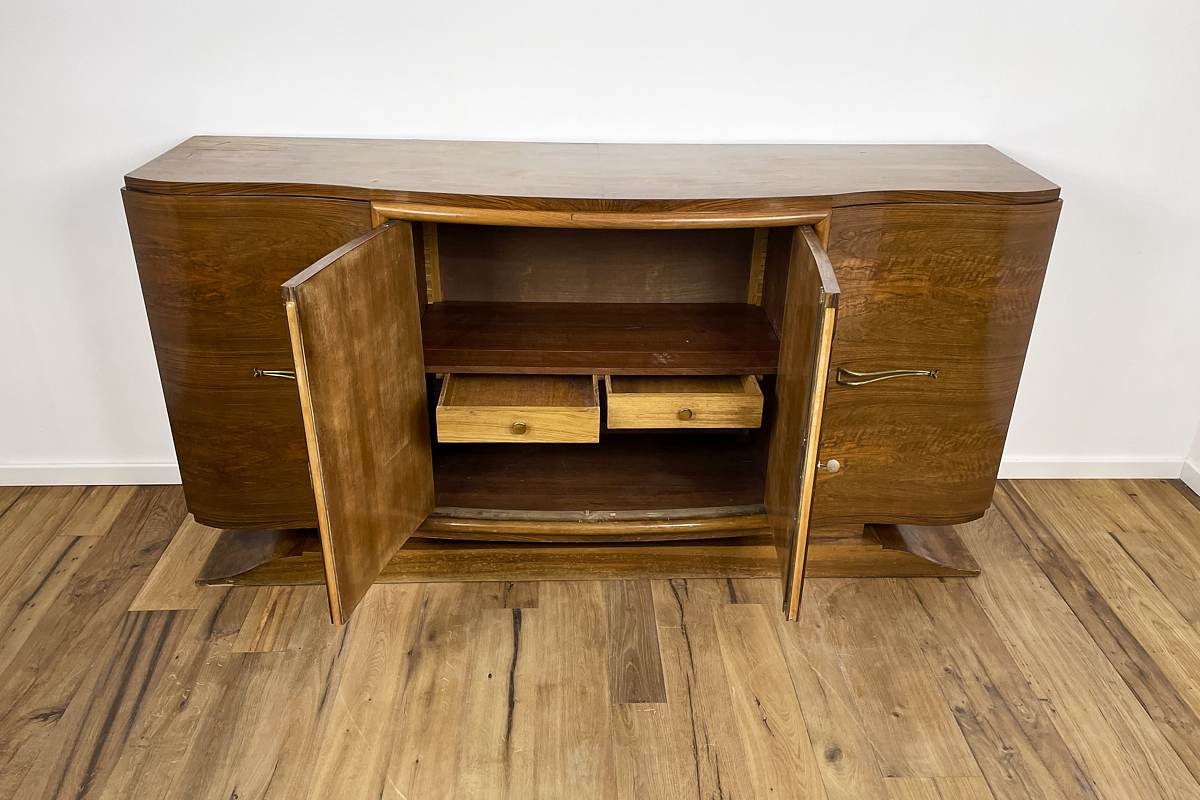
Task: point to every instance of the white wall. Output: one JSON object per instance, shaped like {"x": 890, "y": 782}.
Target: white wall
{"x": 1100, "y": 97}
{"x": 1191, "y": 468}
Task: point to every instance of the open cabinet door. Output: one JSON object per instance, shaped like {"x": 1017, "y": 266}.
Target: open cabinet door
{"x": 356, "y": 337}
{"x": 806, "y": 336}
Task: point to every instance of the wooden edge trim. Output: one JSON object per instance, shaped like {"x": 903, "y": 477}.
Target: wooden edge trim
{"x": 308, "y": 272}
{"x": 758, "y": 266}
{"x": 750, "y": 386}
{"x": 824, "y": 266}
{"x": 465, "y": 215}
{"x": 460, "y": 527}
{"x": 314, "y": 454}
{"x": 432, "y": 257}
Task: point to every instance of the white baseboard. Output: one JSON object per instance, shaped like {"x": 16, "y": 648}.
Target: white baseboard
{"x": 1017, "y": 468}
{"x": 168, "y": 473}
{"x": 88, "y": 474}
{"x": 1191, "y": 475}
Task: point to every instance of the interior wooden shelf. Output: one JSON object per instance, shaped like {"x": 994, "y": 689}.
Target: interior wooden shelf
{"x": 595, "y": 338}
{"x": 621, "y": 472}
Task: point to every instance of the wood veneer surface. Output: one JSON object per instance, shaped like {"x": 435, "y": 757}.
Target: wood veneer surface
{"x": 592, "y": 176}
{"x": 595, "y": 338}
{"x": 210, "y": 271}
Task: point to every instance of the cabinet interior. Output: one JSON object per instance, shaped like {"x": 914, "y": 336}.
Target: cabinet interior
{"x": 602, "y": 302}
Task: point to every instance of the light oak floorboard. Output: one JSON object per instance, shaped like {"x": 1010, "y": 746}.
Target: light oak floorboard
{"x": 96, "y": 510}
{"x": 938, "y": 789}
{"x": 1108, "y": 731}
{"x": 1065, "y": 671}
{"x": 844, "y": 752}
{"x": 172, "y": 584}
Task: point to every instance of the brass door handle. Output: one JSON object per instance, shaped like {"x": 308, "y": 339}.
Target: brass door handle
{"x": 863, "y": 378}
{"x": 275, "y": 373}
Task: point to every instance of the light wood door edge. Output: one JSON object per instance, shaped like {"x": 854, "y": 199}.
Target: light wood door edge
{"x": 314, "y": 455}
{"x": 464, "y": 215}
{"x": 830, "y": 293}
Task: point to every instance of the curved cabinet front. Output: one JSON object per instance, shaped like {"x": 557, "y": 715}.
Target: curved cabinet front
{"x": 937, "y": 307}
{"x": 211, "y": 268}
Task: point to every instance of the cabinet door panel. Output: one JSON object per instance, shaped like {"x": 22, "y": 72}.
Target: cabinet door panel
{"x": 354, "y": 318}
{"x": 945, "y": 288}
{"x": 210, "y": 270}
{"x": 808, "y": 313}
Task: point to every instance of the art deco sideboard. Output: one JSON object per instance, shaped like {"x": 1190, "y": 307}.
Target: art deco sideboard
{"x": 503, "y": 361}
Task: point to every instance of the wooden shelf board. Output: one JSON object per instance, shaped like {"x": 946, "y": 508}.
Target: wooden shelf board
{"x": 596, "y": 338}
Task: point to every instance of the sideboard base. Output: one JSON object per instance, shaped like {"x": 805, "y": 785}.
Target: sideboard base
{"x": 293, "y": 557}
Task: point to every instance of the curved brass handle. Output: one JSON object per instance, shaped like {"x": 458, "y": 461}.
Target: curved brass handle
{"x": 275, "y": 373}
{"x": 882, "y": 375}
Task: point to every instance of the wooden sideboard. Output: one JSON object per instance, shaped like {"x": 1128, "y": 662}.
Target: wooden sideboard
{"x": 507, "y": 361}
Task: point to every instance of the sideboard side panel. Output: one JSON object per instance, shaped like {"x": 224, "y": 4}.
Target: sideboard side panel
{"x": 211, "y": 270}
{"x": 952, "y": 288}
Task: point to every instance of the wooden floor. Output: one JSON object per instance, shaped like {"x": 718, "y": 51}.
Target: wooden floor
{"x": 1069, "y": 669}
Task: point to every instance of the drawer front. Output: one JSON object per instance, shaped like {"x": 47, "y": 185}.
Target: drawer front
{"x": 683, "y": 401}
{"x": 521, "y": 409}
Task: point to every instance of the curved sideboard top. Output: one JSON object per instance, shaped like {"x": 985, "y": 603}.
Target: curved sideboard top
{"x": 562, "y": 177}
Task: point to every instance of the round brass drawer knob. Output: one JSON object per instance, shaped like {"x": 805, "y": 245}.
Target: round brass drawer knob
{"x": 685, "y": 414}
{"x": 519, "y": 428}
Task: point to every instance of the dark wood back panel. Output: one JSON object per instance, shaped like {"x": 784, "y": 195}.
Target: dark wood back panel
{"x": 211, "y": 270}
{"x": 945, "y": 287}
{"x": 555, "y": 265}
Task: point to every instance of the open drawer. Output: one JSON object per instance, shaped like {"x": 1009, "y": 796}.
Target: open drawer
{"x": 683, "y": 401}
{"x": 518, "y": 408}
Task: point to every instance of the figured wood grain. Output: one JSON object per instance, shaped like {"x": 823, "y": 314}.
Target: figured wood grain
{"x": 597, "y": 338}
{"x": 656, "y": 401}
{"x": 806, "y": 334}
{"x": 634, "y": 667}
{"x": 556, "y": 265}
{"x": 624, "y": 176}
{"x": 26, "y": 527}
{"x": 210, "y": 271}
{"x": 951, "y": 288}
{"x": 552, "y": 408}
{"x": 357, "y": 345}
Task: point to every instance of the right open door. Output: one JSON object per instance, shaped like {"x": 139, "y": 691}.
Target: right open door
{"x": 806, "y": 336}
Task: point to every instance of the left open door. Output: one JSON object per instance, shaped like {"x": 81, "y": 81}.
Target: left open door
{"x": 355, "y": 324}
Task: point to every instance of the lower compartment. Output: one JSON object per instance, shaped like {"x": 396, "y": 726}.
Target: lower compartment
{"x": 619, "y": 473}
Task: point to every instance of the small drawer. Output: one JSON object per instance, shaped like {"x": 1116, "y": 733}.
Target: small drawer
{"x": 683, "y": 401}
{"x": 518, "y": 408}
